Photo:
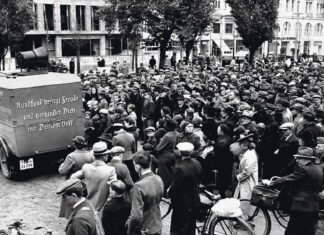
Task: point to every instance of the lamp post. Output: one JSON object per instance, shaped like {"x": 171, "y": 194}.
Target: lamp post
{"x": 234, "y": 42}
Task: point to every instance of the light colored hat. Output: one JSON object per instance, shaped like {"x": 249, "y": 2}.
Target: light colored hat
{"x": 305, "y": 153}
{"x": 103, "y": 111}
{"x": 185, "y": 147}
{"x": 287, "y": 125}
{"x": 117, "y": 149}
{"x": 247, "y": 113}
{"x": 99, "y": 148}
{"x": 151, "y": 128}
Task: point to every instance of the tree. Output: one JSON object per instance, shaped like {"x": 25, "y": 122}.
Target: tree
{"x": 197, "y": 16}
{"x": 160, "y": 18}
{"x": 16, "y": 17}
{"x": 255, "y": 20}
{"x": 129, "y": 17}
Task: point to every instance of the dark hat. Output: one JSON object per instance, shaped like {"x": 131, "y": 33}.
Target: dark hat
{"x": 305, "y": 153}
{"x": 229, "y": 109}
{"x": 180, "y": 97}
{"x": 171, "y": 123}
{"x": 309, "y": 116}
{"x": 105, "y": 137}
{"x": 298, "y": 107}
{"x": 285, "y": 103}
{"x": 80, "y": 140}
{"x": 70, "y": 185}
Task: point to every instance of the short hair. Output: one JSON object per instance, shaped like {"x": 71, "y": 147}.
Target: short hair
{"x": 118, "y": 186}
{"x": 143, "y": 159}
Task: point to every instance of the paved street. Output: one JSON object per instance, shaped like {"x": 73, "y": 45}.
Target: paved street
{"x": 34, "y": 200}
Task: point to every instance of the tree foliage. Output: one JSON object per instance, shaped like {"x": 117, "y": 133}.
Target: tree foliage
{"x": 16, "y": 17}
{"x": 198, "y": 15}
{"x": 160, "y": 18}
{"x": 255, "y": 20}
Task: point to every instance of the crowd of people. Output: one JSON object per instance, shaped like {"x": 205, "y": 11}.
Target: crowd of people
{"x": 160, "y": 133}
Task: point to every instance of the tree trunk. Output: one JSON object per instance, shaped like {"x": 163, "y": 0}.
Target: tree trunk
{"x": 163, "y": 47}
{"x": 136, "y": 58}
{"x": 189, "y": 46}
{"x": 251, "y": 56}
{"x": 133, "y": 59}
{"x": 78, "y": 57}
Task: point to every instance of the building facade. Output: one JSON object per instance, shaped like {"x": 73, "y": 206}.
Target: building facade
{"x": 300, "y": 31}
{"x": 60, "y": 25}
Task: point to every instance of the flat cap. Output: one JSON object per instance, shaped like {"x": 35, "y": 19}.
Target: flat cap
{"x": 70, "y": 185}
{"x": 185, "y": 147}
{"x": 148, "y": 129}
{"x": 320, "y": 140}
{"x": 298, "y": 107}
{"x": 117, "y": 150}
{"x": 287, "y": 125}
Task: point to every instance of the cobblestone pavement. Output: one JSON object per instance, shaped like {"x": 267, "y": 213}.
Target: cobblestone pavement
{"x": 34, "y": 200}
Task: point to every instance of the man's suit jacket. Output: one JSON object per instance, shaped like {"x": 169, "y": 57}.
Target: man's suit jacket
{"x": 96, "y": 175}
{"x": 307, "y": 183}
{"x": 81, "y": 220}
{"x": 126, "y": 140}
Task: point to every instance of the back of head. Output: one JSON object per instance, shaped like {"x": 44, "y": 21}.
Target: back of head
{"x": 143, "y": 159}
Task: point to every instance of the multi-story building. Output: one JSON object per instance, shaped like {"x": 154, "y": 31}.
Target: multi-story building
{"x": 300, "y": 28}
{"x": 60, "y": 24}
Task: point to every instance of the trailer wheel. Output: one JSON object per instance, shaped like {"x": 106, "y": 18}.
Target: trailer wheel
{"x": 5, "y": 167}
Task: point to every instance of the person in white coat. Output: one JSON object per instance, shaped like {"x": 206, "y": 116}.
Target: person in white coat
{"x": 247, "y": 176}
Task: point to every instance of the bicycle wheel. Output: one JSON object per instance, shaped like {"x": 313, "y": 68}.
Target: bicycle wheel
{"x": 281, "y": 218}
{"x": 259, "y": 219}
{"x": 229, "y": 226}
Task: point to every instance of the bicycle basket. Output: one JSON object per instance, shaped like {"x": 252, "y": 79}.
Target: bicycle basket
{"x": 264, "y": 196}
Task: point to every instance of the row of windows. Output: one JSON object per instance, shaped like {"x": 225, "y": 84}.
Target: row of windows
{"x": 228, "y": 28}
{"x": 318, "y": 30}
{"x": 65, "y": 16}
{"x": 294, "y": 6}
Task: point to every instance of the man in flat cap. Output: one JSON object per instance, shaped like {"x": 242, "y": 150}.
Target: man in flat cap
{"x": 309, "y": 127}
{"x": 288, "y": 146}
{"x": 306, "y": 182}
{"x": 81, "y": 219}
{"x": 122, "y": 171}
{"x": 184, "y": 192}
{"x": 75, "y": 160}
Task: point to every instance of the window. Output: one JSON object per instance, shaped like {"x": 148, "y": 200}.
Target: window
{"x": 216, "y": 28}
{"x": 217, "y": 4}
{"x": 48, "y": 16}
{"x": 308, "y": 29}
{"x": 88, "y": 47}
{"x": 80, "y": 17}
{"x": 318, "y": 29}
{"x": 35, "y": 7}
{"x": 287, "y": 5}
{"x": 319, "y": 8}
{"x": 65, "y": 17}
{"x": 308, "y": 8}
{"x": 277, "y": 31}
{"x": 298, "y": 4}
{"x": 286, "y": 29}
{"x": 229, "y": 28}
{"x": 94, "y": 18}
{"x": 298, "y": 29}
{"x": 292, "y": 5}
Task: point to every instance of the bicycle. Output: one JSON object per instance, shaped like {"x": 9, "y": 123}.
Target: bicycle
{"x": 18, "y": 225}
{"x": 260, "y": 215}
{"x": 212, "y": 224}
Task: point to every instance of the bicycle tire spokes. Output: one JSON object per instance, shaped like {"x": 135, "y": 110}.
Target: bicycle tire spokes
{"x": 230, "y": 227}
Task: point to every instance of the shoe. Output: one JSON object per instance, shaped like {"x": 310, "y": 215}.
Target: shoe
{"x": 239, "y": 226}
